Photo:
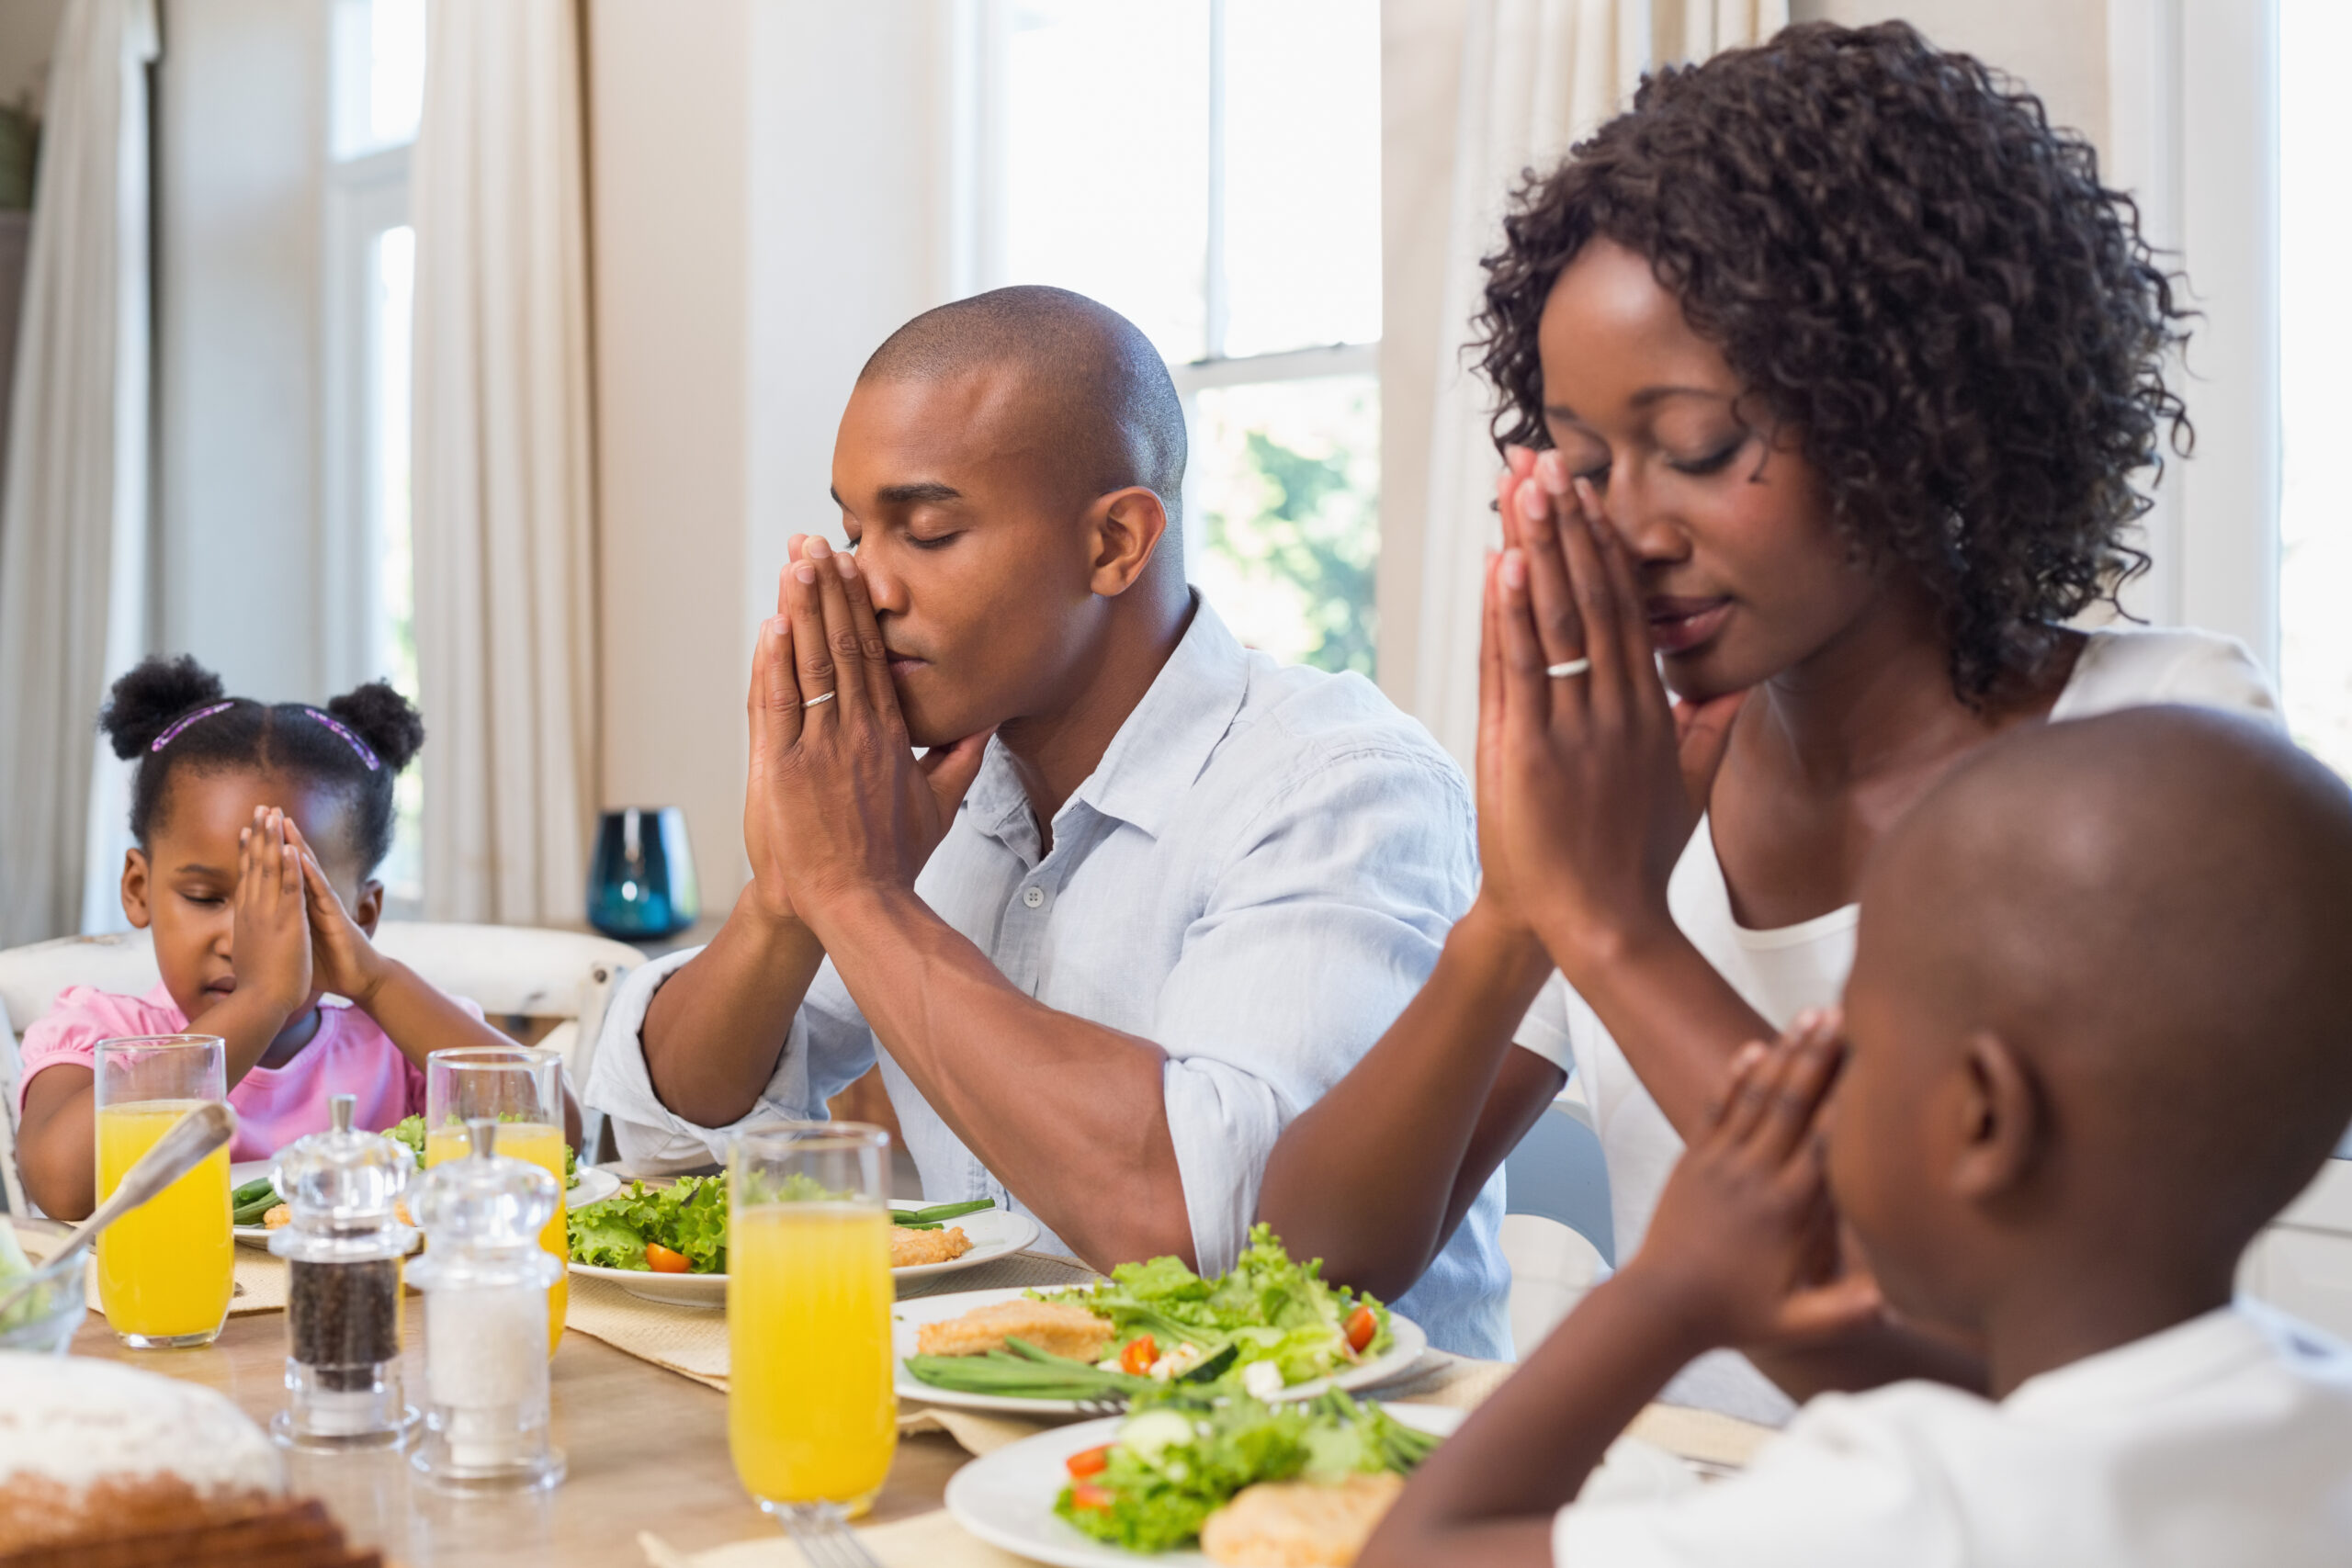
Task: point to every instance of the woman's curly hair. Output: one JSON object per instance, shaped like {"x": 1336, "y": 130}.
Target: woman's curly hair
{"x": 1906, "y": 265}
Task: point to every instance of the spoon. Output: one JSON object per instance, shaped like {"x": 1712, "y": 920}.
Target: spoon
{"x": 172, "y": 1156}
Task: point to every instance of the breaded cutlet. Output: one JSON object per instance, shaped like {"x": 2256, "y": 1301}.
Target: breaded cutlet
{"x": 1056, "y": 1327}
{"x": 909, "y": 1247}
{"x": 1299, "y": 1523}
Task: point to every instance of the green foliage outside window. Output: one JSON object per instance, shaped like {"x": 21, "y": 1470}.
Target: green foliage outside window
{"x": 1314, "y": 530}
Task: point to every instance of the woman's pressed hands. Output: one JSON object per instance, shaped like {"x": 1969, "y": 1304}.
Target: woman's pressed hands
{"x": 838, "y": 799}
{"x": 270, "y": 934}
{"x": 1744, "y": 1248}
{"x": 1600, "y": 778}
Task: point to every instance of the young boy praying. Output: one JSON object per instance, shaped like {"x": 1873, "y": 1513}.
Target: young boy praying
{"x": 2098, "y": 1032}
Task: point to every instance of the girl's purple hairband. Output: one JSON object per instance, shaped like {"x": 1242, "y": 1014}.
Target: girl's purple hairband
{"x": 350, "y": 739}
{"x": 178, "y": 725}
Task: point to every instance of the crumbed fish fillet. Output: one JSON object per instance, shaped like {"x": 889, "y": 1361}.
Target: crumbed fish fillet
{"x": 1054, "y": 1327}
{"x": 909, "y": 1247}
{"x": 1299, "y": 1523}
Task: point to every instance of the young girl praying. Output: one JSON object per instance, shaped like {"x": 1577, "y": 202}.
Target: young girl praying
{"x": 258, "y": 828}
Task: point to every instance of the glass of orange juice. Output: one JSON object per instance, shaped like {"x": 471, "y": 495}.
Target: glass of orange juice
{"x": 520, "y": 1086}
{"x": 168, "y": 1269}
{"x": 811, "y": 1419}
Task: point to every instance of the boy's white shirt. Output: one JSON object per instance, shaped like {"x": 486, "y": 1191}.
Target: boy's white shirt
{"x": 1784, "y": 971}
{"x": 2225, "y": 1440}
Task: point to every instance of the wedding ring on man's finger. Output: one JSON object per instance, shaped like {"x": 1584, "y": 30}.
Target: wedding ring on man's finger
{"x": 819, "y": 697}
{"x": 1567, "y": 668}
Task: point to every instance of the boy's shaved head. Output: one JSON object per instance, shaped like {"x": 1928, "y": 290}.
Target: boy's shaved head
{"x": 2154, "y": 909}
{"x": 1090, "y": 376}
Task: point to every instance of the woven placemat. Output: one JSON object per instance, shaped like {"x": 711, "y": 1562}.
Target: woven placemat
{"x": 261, "y": 1277}
{"x": 692, "y": 1341}
{"x": 927, "y": 1541}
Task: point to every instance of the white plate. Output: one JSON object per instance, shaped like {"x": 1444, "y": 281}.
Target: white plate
{"x": 592, "y": 1187}
{"x": 907, "y": 1317}
{"x": 993, "y": 1232}
{"x": 1006, "y": 1497}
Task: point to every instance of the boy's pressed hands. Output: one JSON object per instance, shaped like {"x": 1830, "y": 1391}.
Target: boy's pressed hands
{"x": 270, "y": 939}
{"x": 1743, "y": 1249}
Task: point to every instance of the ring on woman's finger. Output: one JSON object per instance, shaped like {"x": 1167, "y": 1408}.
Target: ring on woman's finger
{"x": 819, "y": 697}
{"x": 1566, "y": 668}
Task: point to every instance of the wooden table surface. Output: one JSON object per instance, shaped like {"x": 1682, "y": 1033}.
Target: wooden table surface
{"x": 647, "y": 1449}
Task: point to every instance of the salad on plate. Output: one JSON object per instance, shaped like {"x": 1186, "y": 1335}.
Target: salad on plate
{"x": 681, "y": 1229}
{"x": 257, "y": 1203}
{"x": 1238, "y": 1475}
{"x": 1268, "y": 1325}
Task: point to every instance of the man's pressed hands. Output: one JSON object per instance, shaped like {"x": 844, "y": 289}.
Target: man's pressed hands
{"x": 1743, "y": 1249}
{"x": 837, "y": 798}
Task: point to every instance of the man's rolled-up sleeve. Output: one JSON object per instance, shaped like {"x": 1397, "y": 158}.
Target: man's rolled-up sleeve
{"x": 828, "y": 1048}
{"x": 1323, "y": 922}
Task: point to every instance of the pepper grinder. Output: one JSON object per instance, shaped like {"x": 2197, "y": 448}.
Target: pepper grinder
{"x": 343, "y": 1257}
{"x": 485, "y": 1280}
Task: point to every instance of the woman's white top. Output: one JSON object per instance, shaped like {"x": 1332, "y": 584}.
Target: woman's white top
{"x": 1783, "y": 972}
{"x": 2225, "y": 1439}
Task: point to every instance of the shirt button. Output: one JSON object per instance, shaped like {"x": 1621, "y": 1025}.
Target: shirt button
{"x": 1032, "y": 896}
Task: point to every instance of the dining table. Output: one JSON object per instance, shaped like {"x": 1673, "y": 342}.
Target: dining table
{"x": 646, "y": 1450}
{"x": 639, "y": 1407}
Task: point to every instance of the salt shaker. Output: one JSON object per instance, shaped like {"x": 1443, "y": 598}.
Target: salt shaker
{"x": 343, "y": 1254}
{"x": 485, "y": 1280}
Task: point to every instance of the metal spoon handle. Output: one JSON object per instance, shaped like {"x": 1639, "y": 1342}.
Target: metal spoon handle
{"x": 172, "y": 1156}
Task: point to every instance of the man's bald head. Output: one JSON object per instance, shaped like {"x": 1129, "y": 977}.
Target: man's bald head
{"x": 2154, "y": 908}
{"x": 1089, "y": 375}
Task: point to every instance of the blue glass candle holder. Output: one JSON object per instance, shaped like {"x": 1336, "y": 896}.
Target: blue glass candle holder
{"x": 641, "y": 879}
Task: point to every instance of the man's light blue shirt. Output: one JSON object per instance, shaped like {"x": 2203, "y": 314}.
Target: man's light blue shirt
{"x": 1257, "y": 878}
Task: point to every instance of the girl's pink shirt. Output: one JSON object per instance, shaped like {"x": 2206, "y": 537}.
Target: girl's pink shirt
{"x": 275, "y": 1105}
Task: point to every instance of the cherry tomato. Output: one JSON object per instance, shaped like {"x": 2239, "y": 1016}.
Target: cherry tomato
{"x": 1083, "y": 1495}
{"x": 661, "y": 1261}
{"x": 1137, "y": 1359}
{"x": 1088, "y": 1461}
{"x": 1362, "y": 1326}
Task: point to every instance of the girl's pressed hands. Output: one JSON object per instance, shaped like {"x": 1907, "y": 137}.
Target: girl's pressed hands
{"x": 342, "y": 959}
{"x": 270, "y": 942}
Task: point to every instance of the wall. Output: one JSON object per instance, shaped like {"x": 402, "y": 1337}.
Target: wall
{"x": 2058, "y": 48}
{"x": 744, "y": 270}
{"x": 27, "y": 34}
{"x": 240, "y": 130}
{"x": 668, "y": 162}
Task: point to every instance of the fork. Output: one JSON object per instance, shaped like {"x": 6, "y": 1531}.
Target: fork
{"x": 824, "y": 1538}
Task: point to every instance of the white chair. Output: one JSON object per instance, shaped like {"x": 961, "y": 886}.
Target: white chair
{"x": 1557, "y": 1234}
{"x": 513, "y": 972}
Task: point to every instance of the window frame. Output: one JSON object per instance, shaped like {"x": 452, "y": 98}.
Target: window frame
{"x": 979, "y": 39}
{"x": 2193, "y": 135}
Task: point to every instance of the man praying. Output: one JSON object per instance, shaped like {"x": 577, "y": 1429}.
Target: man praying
{"x": 1146, "y": 895}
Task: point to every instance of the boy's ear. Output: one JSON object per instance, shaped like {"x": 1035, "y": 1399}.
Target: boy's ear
{"x": 2003, "y": 1125}
{"x": 134, "y": 888}
{"x": 369, "y": 908}
{"x": 1123, "y": 528}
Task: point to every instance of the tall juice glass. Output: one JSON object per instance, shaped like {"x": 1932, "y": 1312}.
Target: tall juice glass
{"x": 811, "y": 1419}
{"x": 522, "y": 1087}
{"x": 166, "y": 1268}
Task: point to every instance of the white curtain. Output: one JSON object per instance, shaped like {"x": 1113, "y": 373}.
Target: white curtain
{"x": 1536, "y": 75}
{"x": 73, "y": 515}
{"x": 504, "y": 525}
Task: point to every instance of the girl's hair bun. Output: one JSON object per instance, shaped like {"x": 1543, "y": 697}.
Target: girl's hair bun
{"x": 383, "y": 718}
{"x": 157, "y": 690}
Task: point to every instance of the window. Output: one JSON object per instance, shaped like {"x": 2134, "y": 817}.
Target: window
{"x": 1211, "y": 170}
{"x": 376, "y": 87}
{"x": 2315, "y": 343}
